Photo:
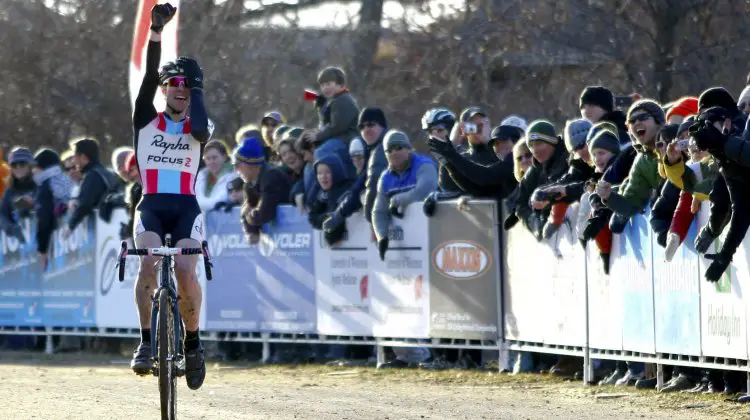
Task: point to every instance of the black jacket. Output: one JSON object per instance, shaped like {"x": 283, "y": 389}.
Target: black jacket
{"x": 477, "y": 153}
{"x": 539, "y": 175}
{"x": 96, "y": 184}
{"x": 574, "y": 181}
{"x": 497, "y": 178}
{"x": 261, "y": 199}
{"x": 9, "y": 212}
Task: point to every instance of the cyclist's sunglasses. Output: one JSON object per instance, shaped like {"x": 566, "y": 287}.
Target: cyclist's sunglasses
{"x": 176, "y": 81}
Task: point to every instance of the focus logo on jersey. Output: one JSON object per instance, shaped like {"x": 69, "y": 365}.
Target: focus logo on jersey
{"x": 167, "y": 159}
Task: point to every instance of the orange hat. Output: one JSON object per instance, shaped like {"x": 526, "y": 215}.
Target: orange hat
{"x": 130, "y": 162}
{"x": 685, "y": 106}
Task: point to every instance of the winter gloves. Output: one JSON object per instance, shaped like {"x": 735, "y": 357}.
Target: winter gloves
{"x": 193, "y": 72}
{"x": 161, "y": 14}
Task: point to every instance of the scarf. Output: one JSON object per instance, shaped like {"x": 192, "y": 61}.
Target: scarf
{"x": 60, "y": 184}
{"x": 212, "y": 179}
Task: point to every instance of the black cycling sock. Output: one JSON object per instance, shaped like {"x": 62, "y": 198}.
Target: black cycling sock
{"x": 146, "y": 335}
{"x": 192, "y": 340}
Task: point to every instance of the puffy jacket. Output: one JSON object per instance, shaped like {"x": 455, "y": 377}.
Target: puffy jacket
{"x": 643, "y": 180}
{"x": 409, "y": 186}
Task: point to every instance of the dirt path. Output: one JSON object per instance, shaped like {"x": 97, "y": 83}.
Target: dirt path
{"x": 97, "y": 387}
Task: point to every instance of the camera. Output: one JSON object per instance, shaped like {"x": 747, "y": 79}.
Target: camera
{"x": 682, "y": 145}
{"x": 470, "y": 128}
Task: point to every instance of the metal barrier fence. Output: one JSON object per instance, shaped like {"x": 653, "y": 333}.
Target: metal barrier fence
{"x": 443, "y": 284}
{"x": 438, "y": 286}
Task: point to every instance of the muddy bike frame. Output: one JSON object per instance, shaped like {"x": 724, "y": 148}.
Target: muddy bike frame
{"x": 166, "y": 325}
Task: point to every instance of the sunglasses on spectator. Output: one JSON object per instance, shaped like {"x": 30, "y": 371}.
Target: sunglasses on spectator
{"x": 526, "y": 155}
{"x": 394, "y": 149}
{"x": 661, "y": 144}
{"x": 19, "y": 164}
{"x": 176, "y": 81}
{"x": 367, "y": 124}
{"x": 438, "y": 130}
{"x": 69, "y": 168}
{"x": 640, "y": 117}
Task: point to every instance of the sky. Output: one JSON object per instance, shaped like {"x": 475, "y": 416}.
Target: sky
{"x": 338, "y": 15}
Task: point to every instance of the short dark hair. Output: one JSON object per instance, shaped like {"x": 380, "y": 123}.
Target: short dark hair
{"x": 86, "y": 146}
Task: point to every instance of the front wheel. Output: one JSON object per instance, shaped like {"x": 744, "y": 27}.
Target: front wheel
{"x": 165, "y": 327}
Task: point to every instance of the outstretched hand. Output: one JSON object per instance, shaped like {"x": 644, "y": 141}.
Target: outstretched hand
{"x": 161, "y": 14}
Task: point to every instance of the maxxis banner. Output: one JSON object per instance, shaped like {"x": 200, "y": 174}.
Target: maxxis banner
{"x": 464, "y": 272}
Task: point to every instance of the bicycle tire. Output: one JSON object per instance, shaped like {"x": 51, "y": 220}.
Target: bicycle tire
{"x": 163, "y": 326}
{"x": 172, "y": 362}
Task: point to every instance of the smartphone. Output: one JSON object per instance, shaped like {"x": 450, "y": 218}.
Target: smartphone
{"x": 470, "y": 128}
{"x": 623, "y": 101}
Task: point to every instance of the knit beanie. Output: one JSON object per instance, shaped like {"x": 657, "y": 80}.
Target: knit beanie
{"x": 685, "y": 126}
{"x": 685, "y": 107}
{"x": 541, "y": 130}
{"x": 46, "y": 158}
{"x": 292, "y": 133}
{"x": 278, "y": 133}
{"x": 374, "y": 115}
{"x": 651, "y": 107}
{"x": 395, "y": 138}
{"x": 605, "y": 139}
{"x": 717, "y": 96}
{"x": 20, "y": 155}
{"x": 575, "y": 134}
{"x": 357, "y": 147}
{"x": 598, "y": 96}
{"x": 601, "y": 125}
{"x": 332, "y": 74}
{"x": 250, "y": 152}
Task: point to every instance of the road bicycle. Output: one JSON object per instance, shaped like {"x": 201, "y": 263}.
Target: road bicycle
{"x": 167, "y": 357}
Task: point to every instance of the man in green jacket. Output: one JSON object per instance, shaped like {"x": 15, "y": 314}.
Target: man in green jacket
{"x": 645, "y": 119}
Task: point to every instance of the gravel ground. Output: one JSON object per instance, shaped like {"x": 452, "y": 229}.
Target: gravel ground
{"x": 81, "y": 386}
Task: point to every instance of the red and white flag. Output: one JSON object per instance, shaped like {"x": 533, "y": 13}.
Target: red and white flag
{"x": 140, "y": 42}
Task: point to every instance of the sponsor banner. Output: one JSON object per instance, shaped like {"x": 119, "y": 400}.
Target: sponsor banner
{"x": 342, "y": 286}
{"x": 115, "y": 302}
{"x": 565, "y": 322}
{"x": 677, "y": 299}
{"x": 68, "y": 284}
{"x": 265, "y": 287}
{"x": 464, "y": 272}
{"x": 723, "y": 309}
{"x": 632, "y": 267}
{"x": 20, "y": 278}
{"x": 400, "y": 284}
{"x": 605, "y": 303}
{"x": 285, "y": 274}
{"x": 525, "y": 285}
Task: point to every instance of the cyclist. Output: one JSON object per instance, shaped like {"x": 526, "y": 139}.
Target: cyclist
{"x": 168, "y": 148}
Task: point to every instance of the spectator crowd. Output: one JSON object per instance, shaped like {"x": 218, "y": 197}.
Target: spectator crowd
{"x": 622, "y": 156}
